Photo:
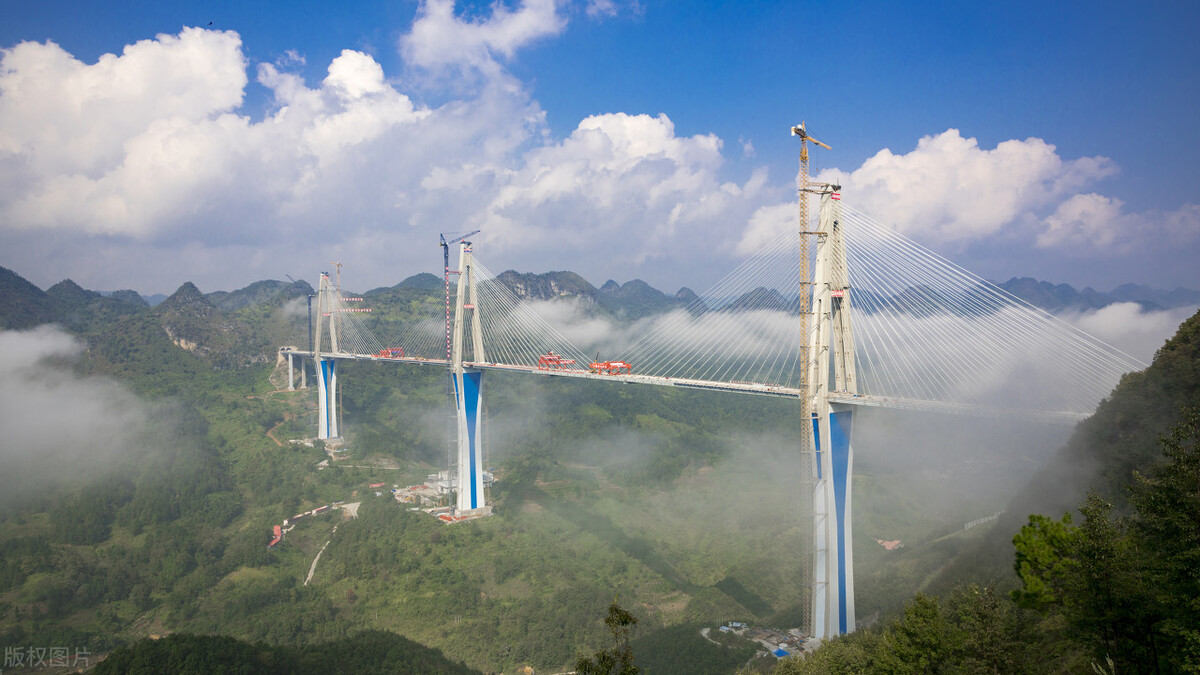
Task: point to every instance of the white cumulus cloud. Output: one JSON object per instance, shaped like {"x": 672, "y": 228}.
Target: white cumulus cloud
{"x": 949, "y": 189}
{"x": 439, "y": 37}
{"x": 627, "y": 186}
{"x": 145, "y": 158}
{"x": 959, "y": 198}
{"x": 767, "y": 223}
{"x": 176, "y": 161}
{"x": 1087, "y": 224}
{"x": 1085, "y": 219}
{"x": 82, "y": 145}
{"x": 59, "y": 115}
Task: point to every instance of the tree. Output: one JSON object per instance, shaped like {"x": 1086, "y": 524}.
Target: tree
{"x": 619, "y": 659}
{"x": 1107, "y": 597}
{"x": 996, "y": 633}
{"x": 843, "y": 655}
{"x": 1126, "y": 587}
{"x": 1090, "y": 575}
{"x": 1041, "y": 560}
{"x": 921, "y": 641}
{"x": 1168, "y": 524}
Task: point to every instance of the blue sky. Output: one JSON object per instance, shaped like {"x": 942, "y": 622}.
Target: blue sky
{"x": 1054, "y": 140}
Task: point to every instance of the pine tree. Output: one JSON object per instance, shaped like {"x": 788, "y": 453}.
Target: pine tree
{"x": 619, "y": 659}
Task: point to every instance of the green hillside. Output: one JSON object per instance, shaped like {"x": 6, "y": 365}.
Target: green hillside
{"x": 1111, "y": 589}
{"x": 365, "y": 653}
{"x": 1101, "y": 455}
{"x": 680, "y": 503}
{"x": 25, "y": 305}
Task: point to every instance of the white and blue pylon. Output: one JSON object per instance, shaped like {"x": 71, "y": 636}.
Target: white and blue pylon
{"x": 468, "y": 398}
{"x": 834, "y": 571}
{"x": 831, "y": 340}
{"x": 327, "y": 413}
{"x": 468, "y": 390}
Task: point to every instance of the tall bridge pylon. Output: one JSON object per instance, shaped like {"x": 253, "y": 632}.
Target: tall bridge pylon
{"x": 468, "y": 388}
{"x": 831, "y": 462}
{"x": 326, "y": 365}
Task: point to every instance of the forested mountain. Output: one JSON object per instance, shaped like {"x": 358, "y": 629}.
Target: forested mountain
{"x": 680, "y": 503}
{"x": 168, "y": 533}
{"x": 258, "y": 293}
{"x": 24, "y": 305}
{"x": 1123, "y": 434}
{"x": 636, "y": 299}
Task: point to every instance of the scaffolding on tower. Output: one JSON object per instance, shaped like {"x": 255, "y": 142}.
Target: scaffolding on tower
{"x": 808, "y": 454}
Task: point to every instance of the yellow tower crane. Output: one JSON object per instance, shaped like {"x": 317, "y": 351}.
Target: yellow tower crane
{"x": 805, "y": 280}
{"x": 808, "y": 457}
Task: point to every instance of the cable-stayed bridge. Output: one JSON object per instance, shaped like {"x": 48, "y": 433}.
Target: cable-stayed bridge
{"x": 879, "y": 322}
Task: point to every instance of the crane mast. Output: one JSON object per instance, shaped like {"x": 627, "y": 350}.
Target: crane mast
{"x": 808, "y": 455}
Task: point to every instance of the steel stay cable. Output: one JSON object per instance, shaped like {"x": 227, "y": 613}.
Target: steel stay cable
{"x": 1088, "y": 353}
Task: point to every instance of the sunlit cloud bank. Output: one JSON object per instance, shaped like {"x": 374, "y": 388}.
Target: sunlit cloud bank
{"x": 1020, "y": 198}
{"x": 950, "y": 190}
{"x": 116, "y": 171}
{"x": 1126, "y": 326}
{"x": 147, "y": 155}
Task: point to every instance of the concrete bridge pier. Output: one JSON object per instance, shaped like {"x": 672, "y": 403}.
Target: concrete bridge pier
{"x": 327, "y": 412}
{"x": 468, "y": 398}
{"x": 834, "y": 574}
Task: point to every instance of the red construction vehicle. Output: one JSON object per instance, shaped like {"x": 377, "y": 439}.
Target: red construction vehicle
{"x": 391, "y": 353}
{"x": 552, "y": 361}
{"x": 610, "y": 368}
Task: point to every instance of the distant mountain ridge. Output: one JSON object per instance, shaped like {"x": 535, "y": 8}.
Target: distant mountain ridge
{"x": 212, "y": 326}
{"x": 22, "y": 305}
{"x": 633, "y": 299}
{"x": 1178, "y": 297}
{"x": 1055, "y": 298}
{"x": 258, "y": 293}
{"x": 25, "y": 305}
{"x": 636, "y": 299}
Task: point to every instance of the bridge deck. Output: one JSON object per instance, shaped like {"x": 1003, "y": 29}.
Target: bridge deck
{"x": 756, "y": 388}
